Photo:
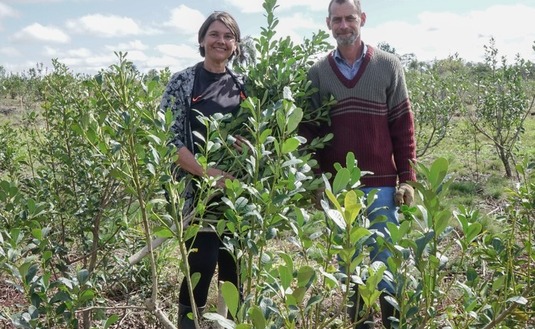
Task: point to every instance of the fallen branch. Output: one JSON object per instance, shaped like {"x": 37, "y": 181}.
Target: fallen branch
{"x": 138, "y": 256}
{"x": 160, "y": 315}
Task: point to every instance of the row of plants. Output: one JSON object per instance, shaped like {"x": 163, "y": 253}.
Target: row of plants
{"x": 89, "y": 184}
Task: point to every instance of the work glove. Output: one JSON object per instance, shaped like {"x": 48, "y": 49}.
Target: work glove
{"x": 404, "y": 194}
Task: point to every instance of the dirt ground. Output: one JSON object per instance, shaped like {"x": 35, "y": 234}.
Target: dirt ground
{"x": 10, "y": 300}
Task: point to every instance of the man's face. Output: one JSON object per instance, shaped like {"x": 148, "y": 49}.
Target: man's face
{"x": 345, "y": 23}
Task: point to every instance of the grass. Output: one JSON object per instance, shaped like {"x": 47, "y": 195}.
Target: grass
{"x": 478, "y": 174}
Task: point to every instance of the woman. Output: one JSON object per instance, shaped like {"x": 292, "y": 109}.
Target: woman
{"x": 208, "y": 87}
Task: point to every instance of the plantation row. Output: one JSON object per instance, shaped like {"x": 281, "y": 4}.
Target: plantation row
{"x": 82, "y": 183}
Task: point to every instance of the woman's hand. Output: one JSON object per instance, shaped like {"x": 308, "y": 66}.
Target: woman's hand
{"x": 220, "y": 175}
{"x": 241, "y": 144}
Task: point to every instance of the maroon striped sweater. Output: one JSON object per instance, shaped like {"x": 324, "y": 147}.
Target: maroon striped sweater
{"x": 372, "y": 118}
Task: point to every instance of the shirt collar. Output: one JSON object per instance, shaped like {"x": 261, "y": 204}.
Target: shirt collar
{"x": 340, "y": 59}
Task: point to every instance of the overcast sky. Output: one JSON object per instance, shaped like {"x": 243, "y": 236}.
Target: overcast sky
{"x": 83, "y": 34}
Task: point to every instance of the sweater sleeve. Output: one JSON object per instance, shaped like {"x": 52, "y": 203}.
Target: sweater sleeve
{"x": 176, "y": 98}
{"x": 401, "y": 122}
{"x": 310, "y": 129}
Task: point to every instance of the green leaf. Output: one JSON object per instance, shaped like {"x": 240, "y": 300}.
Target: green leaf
{"x": 23, "y": 270}
{"x": 359, "y": 233}
{"x": 299, "y": 294}
{"x": 60, "y": 296}
{"x": 341, "y": 180}
{"x": 442, "y": 221}
{"x": 294, "y": 119}
{"x": 231, "y": 296}
{"x": 329, "y": 278}
{"x": 305, "y": 276}
{"x": 111, "y": 320}
{"x": 195, "y": 278}
{"x": 337, "y": 218}
{"x": 314, "y": 300}
{"x": 264, "y": 136}
{"x": 286, "y": 271}
{"x": 86, "y": 296}
{"x": 245, "y": 326}
{"x": 472, "y": 231}
{"x": 398, "y": 232}
{"x": 281, "y": 119}
{"x": 32, "y": 271}
{"x": 350, "y": 161}
{"x": 82, "y": 276}
{"x": 498, "y": 283}
{"x": 518, "y": 300}
{"x": 421, "y": 244}
{"x": 290, "y": 145}
{"x": 164, "y": 232}
{"x": 352, "y": 206}
{"x": 438, "y": 172}
{"x": 257, "y": 317}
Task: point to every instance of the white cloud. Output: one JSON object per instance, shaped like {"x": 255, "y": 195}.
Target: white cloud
{"x": 32, "y": 1}
{"x": 41, "y": 33}
{"x": 297, "y": 26}
{"x": 127, "y": 46}
{"x": 439, "y": 35}
{"x": 255, "y": 6}
{"x": 79, "y": 52}
{"x": 9, "y": 51}
{"x": 314, "y": 5}
{"x": 6, "y": 11}
{"x": 106, "y": 26}
{"x": 161, "y": 62}
{"x": 185, "y": 20}
{"x": 178, "y": 51}
{"x": 91, "y": 64}
{"x": 136, "y": 56}
{"x": 50, "y": 52}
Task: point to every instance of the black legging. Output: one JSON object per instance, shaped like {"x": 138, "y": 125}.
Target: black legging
{"x": 210, "y": 251}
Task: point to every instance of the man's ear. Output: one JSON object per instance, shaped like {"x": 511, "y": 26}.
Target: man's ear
{"x": 328, "y": 22}
{"x": 362, "y": 19}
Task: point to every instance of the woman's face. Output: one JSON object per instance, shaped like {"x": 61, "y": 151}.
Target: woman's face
{"x": 219, "y": 43}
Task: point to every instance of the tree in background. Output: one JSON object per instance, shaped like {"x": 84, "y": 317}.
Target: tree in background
{"x": 501, "y": 104}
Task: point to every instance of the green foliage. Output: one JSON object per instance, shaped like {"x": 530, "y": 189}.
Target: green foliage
{"x": 90, "y": 179}
{"x": 10, "y": 156}
{"x": 437, "y": 95}
{"x": 28, "y": 86}
{"x": 90, "y": 182}
{"x": 501, "y": 105}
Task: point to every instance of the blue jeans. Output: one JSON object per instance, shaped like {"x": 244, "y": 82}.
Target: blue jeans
{"x": 384, "y": 204}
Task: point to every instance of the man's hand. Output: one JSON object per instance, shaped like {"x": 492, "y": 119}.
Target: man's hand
{"x": 404, "y": 194}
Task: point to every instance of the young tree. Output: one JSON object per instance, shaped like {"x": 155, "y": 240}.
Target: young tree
{"x": 502, "y": 104}
{"x": 437, "y": 93}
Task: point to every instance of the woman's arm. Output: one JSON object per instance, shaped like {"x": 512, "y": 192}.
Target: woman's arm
{"x": 186, "y": 161}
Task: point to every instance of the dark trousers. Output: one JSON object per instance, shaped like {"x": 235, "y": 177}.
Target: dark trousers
{"x": 210, "y": 252}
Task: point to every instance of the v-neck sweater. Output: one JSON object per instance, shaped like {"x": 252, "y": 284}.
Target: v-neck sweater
{"x": 372, "y": 118}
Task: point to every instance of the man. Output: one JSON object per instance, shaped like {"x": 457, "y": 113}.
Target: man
{"x": 371, "y": 117}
